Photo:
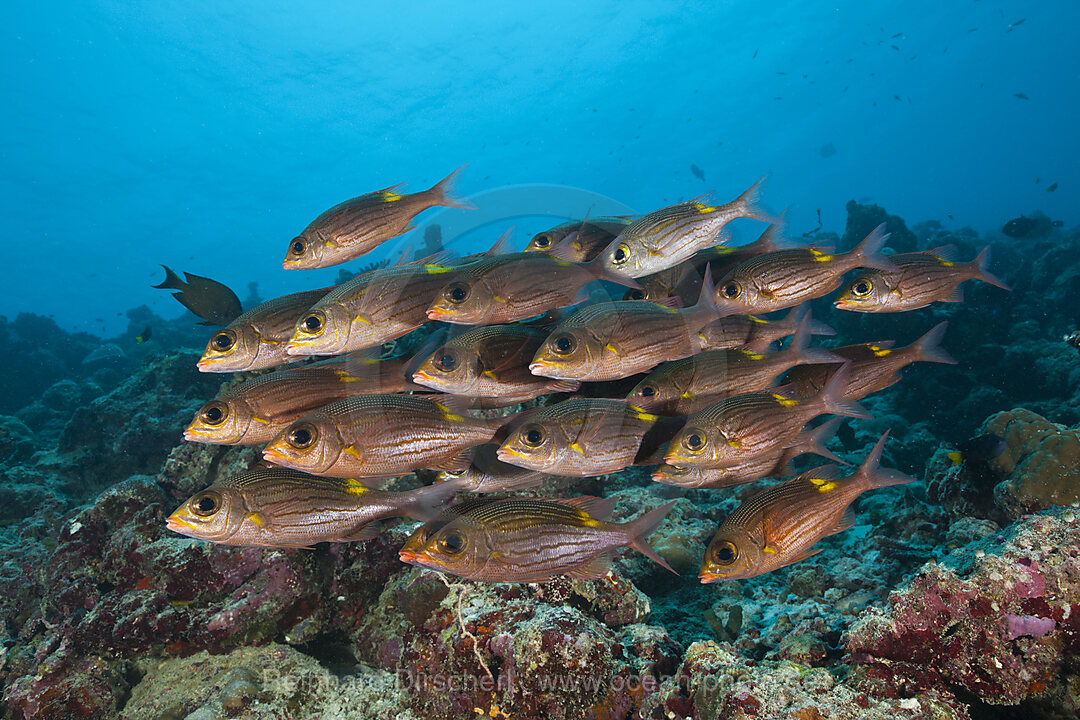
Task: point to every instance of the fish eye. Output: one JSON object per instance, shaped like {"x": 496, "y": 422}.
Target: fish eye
{"x": 647, "y": 391}
{"x": 457, "y": 293}
{"x": 622, "y": 253}
{"x": 302, "y": 436}
{"x": 542, "y": 240}
{"x": 694, "y": 441}
{"x": 205, "y": 504}
{"x": 214, "y": 413}
{"x": 298, "y": 246}
{"x": 532, "y": 436}
{"x": 446, "y": 362}
{"x": 725, "y": 553}
{"x": 313, "y": 323}
{"x": 223, "y": 341}
{"x": 636, "y": 294}
{"x": 452, "y": 542}
{"x": 862, "y": 288}
{"x": 563, "y": 345}
{"x": 732, "y": 290}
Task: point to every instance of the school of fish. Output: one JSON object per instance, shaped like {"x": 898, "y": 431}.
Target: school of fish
{"x": 510, "y": 368}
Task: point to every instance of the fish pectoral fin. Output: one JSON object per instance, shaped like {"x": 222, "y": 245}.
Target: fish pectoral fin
{"x": 955, "y": 296}
{"x": 458, "y": 463}
{"x": 367, "y": 531}
{"x": 808, "y": 552}
{"x": 845, "y": 523}
{"x": 598, "y": 567}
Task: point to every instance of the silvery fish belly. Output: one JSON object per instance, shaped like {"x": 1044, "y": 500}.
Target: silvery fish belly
{"x": 490, "y": 361}
{"x": 578, "y": 437}
{"x": 529, "y": 539}
{"x": 782, "y": 524}
{"x": 369, "y": 310}
{"x": 378, "y": 436}
{"x": 256, "y": 411}
{"x": 285, "y": 508}
{"x": 257, "y": 339}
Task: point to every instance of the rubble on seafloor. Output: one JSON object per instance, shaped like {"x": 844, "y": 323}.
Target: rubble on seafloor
{"x": 950, "y": 602}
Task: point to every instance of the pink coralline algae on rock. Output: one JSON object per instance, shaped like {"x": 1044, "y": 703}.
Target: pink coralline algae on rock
{"x": 996, "y": 622}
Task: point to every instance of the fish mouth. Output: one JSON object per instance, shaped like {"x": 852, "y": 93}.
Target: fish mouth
{"x": 409, "y": 556}
{"x": 844, "y": 305}
{"x": 422, "y": 378}
{"x": 708, "y": 577}
{"x": 272, "y": 454}
{"x": 540, "y": 367}
{"x": 179, "y": 525}
{"x": 509, "y": 455}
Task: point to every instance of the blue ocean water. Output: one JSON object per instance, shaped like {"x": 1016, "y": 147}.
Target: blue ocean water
{"x": 204, "y": 135}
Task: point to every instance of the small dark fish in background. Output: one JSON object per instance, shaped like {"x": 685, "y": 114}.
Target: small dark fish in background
{"x": 1052, "y": 188}
{"x": 215, "y": 303}
{"x": 1073, "y": 339}
{"x": 697, "y": 172}
{"x": 1016, "y": 24}
{"x": 827, "y": 150}
{"x": 1039, "y": 226}
{"x": 978, "y": 450}
{"x": 1021, "y": 96}
{"x": 144, "y": 335}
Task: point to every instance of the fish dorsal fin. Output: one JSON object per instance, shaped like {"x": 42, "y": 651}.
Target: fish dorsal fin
{"x": 597, "y": 508}
{"x": 501, "y": 246}
{"x": 598, "y": 567}
{"x": 945, "y": 252}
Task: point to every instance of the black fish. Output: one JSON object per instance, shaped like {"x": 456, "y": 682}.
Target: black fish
{"x": 698, "y": 172}
{"x": 143, "y": 336}
{"x": 1033, "y": 227}
{"x": 1021, "y": 96}
{"x": 978, "y": 450}
{"x": 1052, "y": 188}
{"x": 215, "y": 303}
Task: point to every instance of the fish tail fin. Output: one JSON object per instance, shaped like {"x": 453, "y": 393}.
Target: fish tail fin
{"x": 172, "y": 281}
{"x": 815, "y": 440}
{"x": 980, "y": 266}
{"x": 424, "y": 503}
{"x": 748, "y": 204}
{"x": 441, "y": 192}
{"x": 704, "y": 310}
{"x": 799, "y": 350}
{"x": 871, "y": 473}
{"x": 868, "y": 252}
{"x": 928, "y": 347}
{"x": 834, "y": 399}
{"x": 638, "y": 529}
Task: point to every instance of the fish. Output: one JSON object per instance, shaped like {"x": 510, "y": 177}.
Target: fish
{"x": 684, "y": 386}
{"x": 145, "y": 335}
{"x": 743, "y": 427}
{"x": 1051, "y": 188}
{"x": 486, "y": 473}
{"x": 684, "y": 280}
{"x": 920, "y": 279}
{"x": 380, "y": 436}
{"x": 978, "y": 450}
{"x": 254, "y": 412}
{"x": 358, "y": 226}
{"x": 590, "y": 236}
{"x": 490, "y": 361}
{"x": 782, "y": 524}
{"x": 756, "y": 333}
{"x": 579, "y": 437}
{"x": 773, "y": 464}
{"x": 257, "y": 339}
{"x": 871, "y": 366}
{"x": 614, "y": 340}
{"x": 273, "y": 507}
{"x": 1021, "y": 96}
{"x": 697, "y": 172}
{"x": 531, "y": 540}
{"x": 1039, "y": 226}
{"x": 214, "y": 302}
{"x": 666, "y": 237}
{"x": 787, "y": 278}
{"x": 514, "y": 286}
{"x": 369, "y": 310}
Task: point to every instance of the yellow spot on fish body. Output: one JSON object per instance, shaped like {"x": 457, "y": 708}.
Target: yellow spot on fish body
{"x": 351, "y": 450}
{"x": 436, "y": 269}
{"x": 686, "y": 394}
{"x": 733, "y": 443}
{"x": 576, "y": 447}
{"x": 256, "y": 518}
{"x": 491, "y": 374}
{"x": 757, "y": 319}
{"x": 769, "y": 549}
{"x": 499, "y": 299}
{"x": 362, "y": 320}
{"x": 824, "y": 485}
{"x": 751, "y": 355}
{"x": 879, "y": 351}
{"x": 642, "y": 415}
{"x": 944, "y": 263}
{"x": 391, "y": 197}
{"x": 354, "y": 487}
{"x": 345, "y": 376}
{"x": 611, "y": 349}
{"x": 448, "y": 414}
{"x": 703, "y": 209}
{"x": 667, "y": 309}
{"x": 261, "y": 421}
{"x": 820, "y": 256}
{"x": 783, "y": 401}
